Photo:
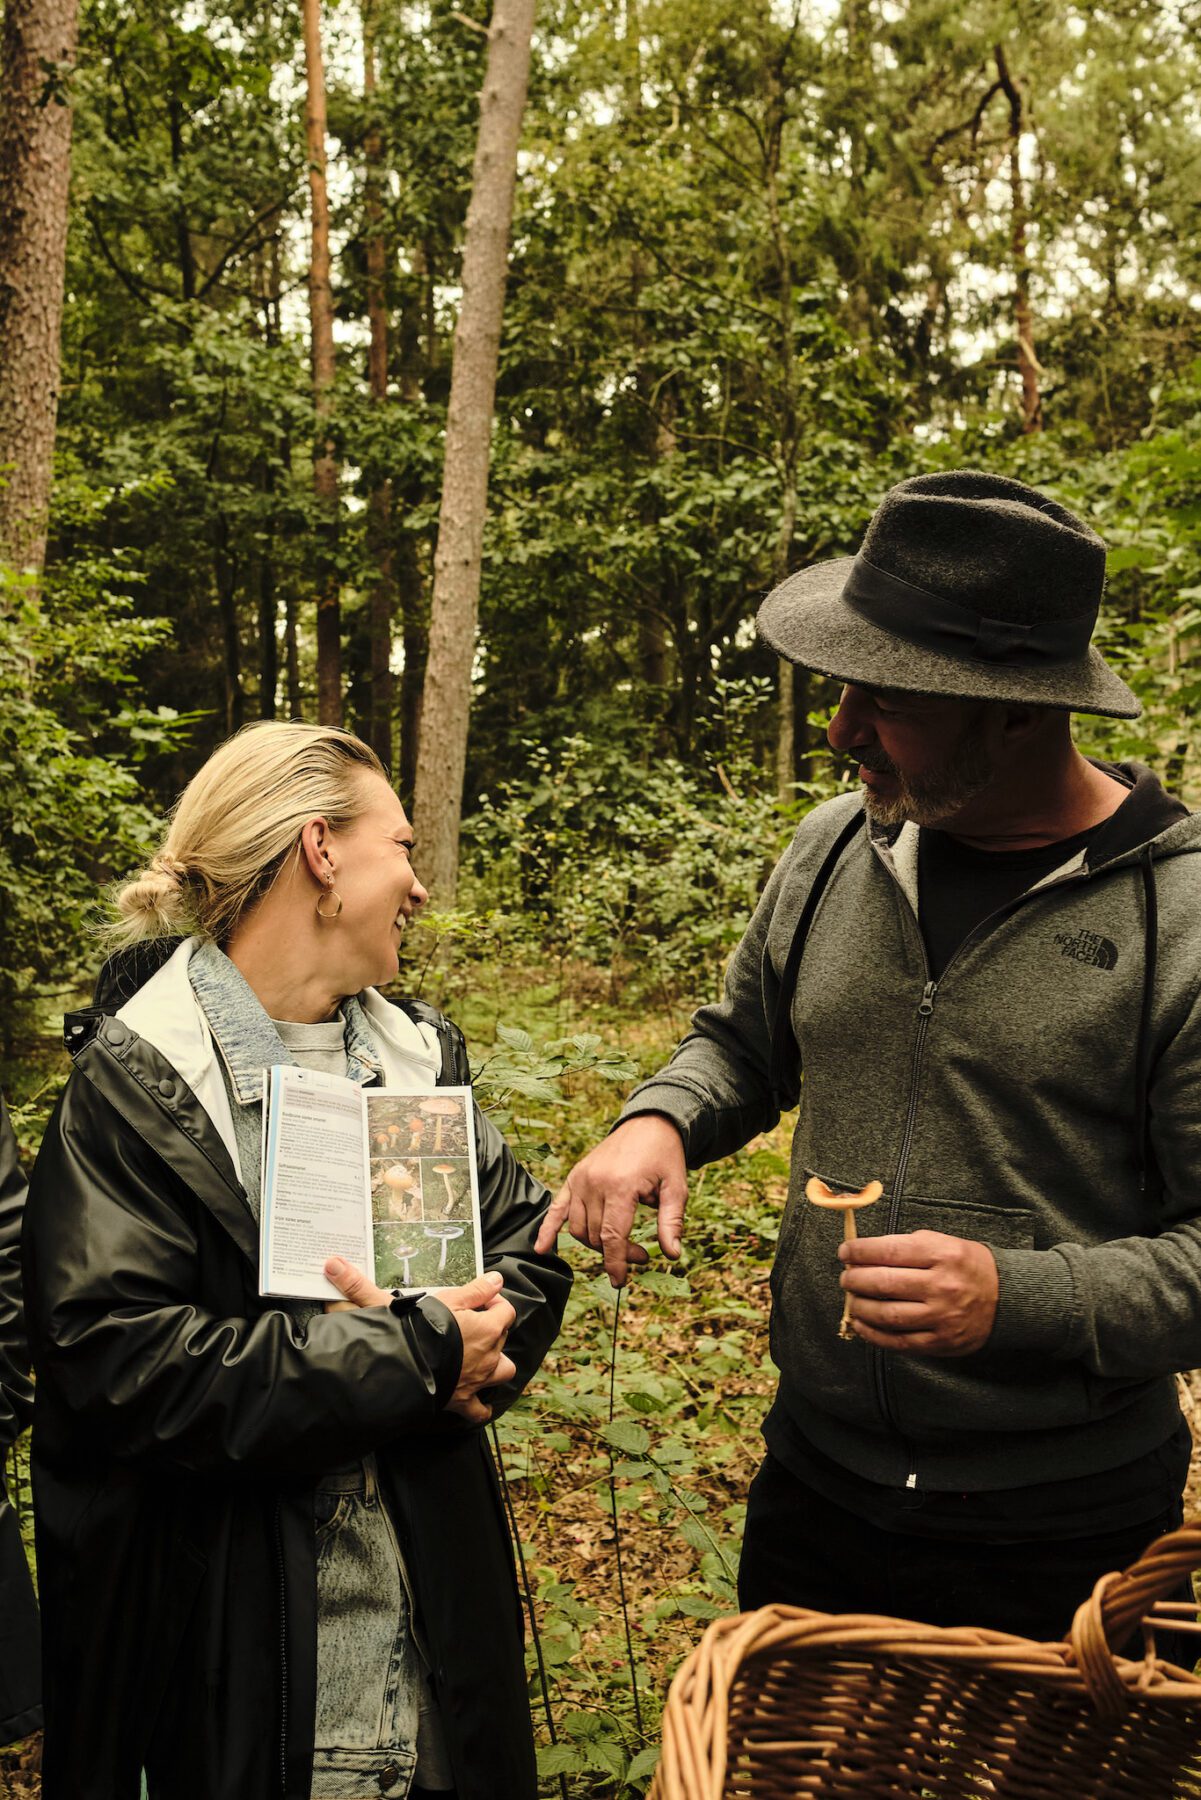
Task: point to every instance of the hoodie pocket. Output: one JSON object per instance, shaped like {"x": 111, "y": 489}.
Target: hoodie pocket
{"x": 935, "y": 1399}
{"x": 1005, "y": 1227}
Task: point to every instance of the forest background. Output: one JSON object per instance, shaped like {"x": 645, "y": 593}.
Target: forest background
{"x": 764, "y": 261}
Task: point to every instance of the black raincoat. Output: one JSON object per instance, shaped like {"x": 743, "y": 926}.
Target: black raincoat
{"x": 182, "y": 1424}
{"x": 20, "y": 1675}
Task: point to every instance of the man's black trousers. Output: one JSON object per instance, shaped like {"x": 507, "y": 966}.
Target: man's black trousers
{"x": 802, "y": 1550}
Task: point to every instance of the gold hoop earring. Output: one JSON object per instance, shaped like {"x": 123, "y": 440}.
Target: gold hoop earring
{"x": 330, "y": 894}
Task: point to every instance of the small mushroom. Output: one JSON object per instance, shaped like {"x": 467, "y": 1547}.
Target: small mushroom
{"x": 402, "y": 1182}
{"x": 440, "y": 1110}
{"x": 416, "y": 1131}
{"x": 447, "y": 1233}
{"x": 818, "y": 1194}
{"x": 405, "y": 1253}
{"x": 446, "y": 1170}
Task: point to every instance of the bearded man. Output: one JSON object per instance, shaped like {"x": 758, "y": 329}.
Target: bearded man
{"x": 982, "y": 981}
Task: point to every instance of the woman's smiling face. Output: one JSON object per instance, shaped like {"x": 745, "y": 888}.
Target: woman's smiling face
{"x": 373, "y": 875}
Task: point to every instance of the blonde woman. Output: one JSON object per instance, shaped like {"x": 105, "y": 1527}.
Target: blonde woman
{"x": 272, "y": 1554}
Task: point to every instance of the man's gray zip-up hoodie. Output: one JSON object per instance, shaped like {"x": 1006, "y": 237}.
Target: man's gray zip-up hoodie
{"x": 1000, "y": 1104}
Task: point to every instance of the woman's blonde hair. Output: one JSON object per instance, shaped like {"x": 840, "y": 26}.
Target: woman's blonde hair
{"x": 236, "y": 822}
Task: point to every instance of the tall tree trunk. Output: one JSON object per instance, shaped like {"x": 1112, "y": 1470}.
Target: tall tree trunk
{"x": 225, "y": 565}
{"x": 442, "y": 752}
{"x": 38, "y": 51}
{"x": 791, "y": 683}
{"x": 268, "y": 642}
{"x": 1023, "y": 318}
{"x": 415, "y": 645}
{"x": 657, "y": 436}
{"x": 321, "y": 316}
{"x": 292, "y": 660}
{"x": 416, "y": 348}
{"x": 379, "y": 503}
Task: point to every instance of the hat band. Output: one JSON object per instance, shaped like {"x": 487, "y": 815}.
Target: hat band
{"x": 935, "y": 623}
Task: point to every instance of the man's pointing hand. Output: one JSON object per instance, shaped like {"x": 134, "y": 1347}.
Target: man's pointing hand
{"x": 641, "y": 1163}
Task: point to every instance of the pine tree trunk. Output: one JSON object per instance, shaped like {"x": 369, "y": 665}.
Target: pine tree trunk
{"x": 292, "y": 661}
{"x": 321, "y": 316}
{"x": 1023, "y": 317}
{"x": 442, "y": 753}
{"x": 415, "y": 644}
{"x": 379, "y": 504}
{"x": 38, "y": 51}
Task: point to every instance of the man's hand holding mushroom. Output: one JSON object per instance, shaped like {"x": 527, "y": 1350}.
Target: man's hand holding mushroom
{"x": 922, "y": 1293}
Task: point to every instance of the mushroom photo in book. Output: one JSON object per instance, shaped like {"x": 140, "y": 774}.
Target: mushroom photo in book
{"x": 385, "y": 1178}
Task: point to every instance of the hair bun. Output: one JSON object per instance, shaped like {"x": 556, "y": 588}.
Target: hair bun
{"x": 166, "y": 864}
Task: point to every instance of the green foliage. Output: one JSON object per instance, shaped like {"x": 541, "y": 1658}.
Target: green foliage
{"x": 647, "y": 869}
{"x": 72, "y": 804}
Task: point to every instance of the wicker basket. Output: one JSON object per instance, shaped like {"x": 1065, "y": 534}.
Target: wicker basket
{"x": 784, "y": 1702}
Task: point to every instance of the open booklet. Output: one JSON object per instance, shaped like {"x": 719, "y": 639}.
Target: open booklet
{"x": 385, "y": 1178}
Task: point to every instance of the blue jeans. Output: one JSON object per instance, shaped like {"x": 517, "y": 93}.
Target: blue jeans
{"x": 369, "y": 1679}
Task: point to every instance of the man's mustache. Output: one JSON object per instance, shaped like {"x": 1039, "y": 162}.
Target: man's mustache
{"x": 874, "y": 759}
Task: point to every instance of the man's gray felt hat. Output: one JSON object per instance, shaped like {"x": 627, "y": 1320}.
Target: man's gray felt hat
{"x": 967, "y": 584}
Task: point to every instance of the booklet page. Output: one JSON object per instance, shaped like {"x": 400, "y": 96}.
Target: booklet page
{"x": 424, "y": 1188}
{"x": 315, "y": 1182}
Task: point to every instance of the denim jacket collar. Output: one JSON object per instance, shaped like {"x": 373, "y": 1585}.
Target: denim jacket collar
{"x": 247, "y": 1038}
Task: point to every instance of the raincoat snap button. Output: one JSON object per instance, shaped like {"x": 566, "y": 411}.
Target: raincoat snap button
{"x": 167, "y": 1089}
{"x": 388, "y": 1777}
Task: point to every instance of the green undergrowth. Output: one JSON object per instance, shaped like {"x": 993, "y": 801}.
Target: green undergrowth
{"x": 627, "y": 1463}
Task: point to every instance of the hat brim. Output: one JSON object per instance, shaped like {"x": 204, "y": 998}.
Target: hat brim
{"x": 806, "y": 620}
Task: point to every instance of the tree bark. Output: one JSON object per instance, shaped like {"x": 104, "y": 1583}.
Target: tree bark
{"x": 268, "y": 641}
{"x": 292, "y": 660}
{"x": 379, "y": 501}
{"x": 321, "y": 317}
{"x": 1023, "y": 318}
{"x": 415, "y": 646}
{"x": 38, "y": 52}
{"x": 442, "y": 751}
{"x": 791, "y": 684}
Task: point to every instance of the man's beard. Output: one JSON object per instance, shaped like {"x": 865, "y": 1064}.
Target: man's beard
{"x": 932, "y": 798}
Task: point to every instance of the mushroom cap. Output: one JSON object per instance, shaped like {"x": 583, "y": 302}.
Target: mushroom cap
{"x": 445, "y": 1231}
{"x": 443, "y": 1168}
{"x": 400, "y": 1177}
{"x": 819, "y": 1194}
{"x": 437, "y": 1105}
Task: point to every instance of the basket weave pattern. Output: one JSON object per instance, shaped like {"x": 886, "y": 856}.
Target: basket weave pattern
{"x": 785, "y": 1702}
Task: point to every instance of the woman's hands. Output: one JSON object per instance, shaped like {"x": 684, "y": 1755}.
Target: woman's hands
{"x": 484, "y": 1318}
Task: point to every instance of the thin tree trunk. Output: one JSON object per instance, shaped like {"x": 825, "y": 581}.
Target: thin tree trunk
{"x": 268, "y": 642}
{"x": 442, "y": 752}
{"x": 791, "y": 757}
{"x": 379, "y": 503}
{"x": 1023, "y": 318}
{"x": 415, "y": 349}
{"x": 268, "y": 609}
{"x": 226, "y": 572}
{"x": 38, "y": 52}
{"x": 292, "y": 660}
{"x": 415, "y": 645}
{"x": 660, "y": 438}
{"x": 321, "y": 316}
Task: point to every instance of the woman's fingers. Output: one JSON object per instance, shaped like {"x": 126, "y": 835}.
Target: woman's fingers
{"x": 353, "y": 1285}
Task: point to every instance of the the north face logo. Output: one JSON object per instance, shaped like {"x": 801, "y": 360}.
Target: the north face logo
{"x": 1088, "y": 947}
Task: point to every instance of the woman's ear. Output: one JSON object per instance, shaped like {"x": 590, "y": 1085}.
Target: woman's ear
{"x": 315, "y": 845}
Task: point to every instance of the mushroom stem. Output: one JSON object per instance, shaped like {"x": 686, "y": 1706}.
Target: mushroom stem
{"x": 818, "y": 1194}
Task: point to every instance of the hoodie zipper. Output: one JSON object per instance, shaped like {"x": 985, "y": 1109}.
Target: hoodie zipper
{"x": 925, "y": 1009}
{"x": 877, "y": 1357}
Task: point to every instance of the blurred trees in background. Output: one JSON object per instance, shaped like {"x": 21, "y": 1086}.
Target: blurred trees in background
{"x": 765, "y": 260}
